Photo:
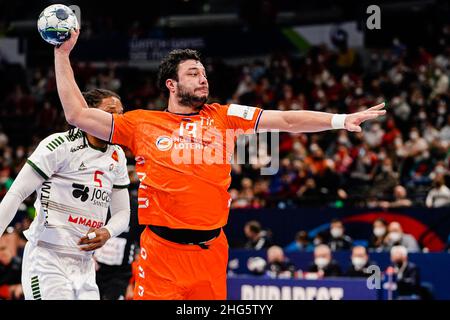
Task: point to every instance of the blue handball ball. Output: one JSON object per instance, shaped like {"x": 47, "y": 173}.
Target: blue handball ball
{"x": 55, "y": 22}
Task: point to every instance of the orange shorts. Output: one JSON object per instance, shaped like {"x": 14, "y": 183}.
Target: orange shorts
{"x": 172, "y": 271}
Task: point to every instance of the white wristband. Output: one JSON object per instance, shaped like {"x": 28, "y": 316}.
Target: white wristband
{"x": 338, "y": 121}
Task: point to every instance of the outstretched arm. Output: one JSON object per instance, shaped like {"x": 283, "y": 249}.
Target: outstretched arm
{"x": 93, "y": 121}
{"x": 26, "y": 182}
{"x": 314, "y": 121}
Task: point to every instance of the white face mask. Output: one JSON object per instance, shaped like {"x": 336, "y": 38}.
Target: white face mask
{"x": 20, "y": 153}
{"x": 395, "y": 236}
{"x": 321, "y": 262}
{"x": 413, "y": 135}
{"x": 359, "y": 262}
{"x": 379, "y": 231}
{"x": 336, "y": 232}
{"x": 342, "y": 140}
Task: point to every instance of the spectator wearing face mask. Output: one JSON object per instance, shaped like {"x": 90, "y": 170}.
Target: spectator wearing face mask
{"x": 439, "y": 195}
{"x": 407, "y": 273}
{"x": 320, "y": 238}
{"x": 396, "y": 237}
{"x": 338, "y": 239}
{"x": 416, "y": 147}
{"x": 379, "y": 231}
{"x": 360, "y": 263}
{"x": 278, "y": 265}
{"x": 386, "y": 178}
{"x": 374, "y": 135}
{"x": 323, "y": 264}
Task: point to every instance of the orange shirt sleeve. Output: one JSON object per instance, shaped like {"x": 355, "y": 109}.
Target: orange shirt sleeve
{"x": 124, "y": 128}
{"x": 243, "y": 117}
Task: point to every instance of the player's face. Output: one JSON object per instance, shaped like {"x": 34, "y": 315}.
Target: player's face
{"x": 192, "y": 87}
{"x": 111, "y": 105}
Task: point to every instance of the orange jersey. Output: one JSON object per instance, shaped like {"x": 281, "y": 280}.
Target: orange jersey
{"x": 183, "y": 162}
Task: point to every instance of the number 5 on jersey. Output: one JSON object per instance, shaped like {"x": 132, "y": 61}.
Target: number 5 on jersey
{"x": 97, "y": 180}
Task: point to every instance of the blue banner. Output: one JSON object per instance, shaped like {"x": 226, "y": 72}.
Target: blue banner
{"x": 433, "y": 267}
{"x": 251, "y": 288}
{"x": 430, "y": 227}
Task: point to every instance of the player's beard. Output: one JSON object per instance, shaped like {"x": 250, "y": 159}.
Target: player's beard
{"x": 187, "y": 99}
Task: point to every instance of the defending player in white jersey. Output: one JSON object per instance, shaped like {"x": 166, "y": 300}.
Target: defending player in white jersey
{"x": 77, "y": 178}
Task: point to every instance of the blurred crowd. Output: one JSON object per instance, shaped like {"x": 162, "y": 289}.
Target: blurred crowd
{"x": 398, "y": 161}
{"x": 403, "y": 274}
{"x": 386, "y": 237}
{"x": 401, "y": 160}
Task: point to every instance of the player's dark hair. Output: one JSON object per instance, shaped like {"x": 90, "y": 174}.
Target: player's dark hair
{"x": 382, "y": 220}
{"x": 335, "y": 220}
{"x": 168, "y": 69}
{"x": 94, "y": 97}
{"x": 301, "y": 235}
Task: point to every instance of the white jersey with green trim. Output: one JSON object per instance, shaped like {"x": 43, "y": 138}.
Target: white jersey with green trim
{"x": 75, "y": 196}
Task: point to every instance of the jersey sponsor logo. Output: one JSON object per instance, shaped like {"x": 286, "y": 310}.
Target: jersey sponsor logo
{"x": 77, "y": 148}
{"x": 85, "y": 222}
{"x": 115, "y": 156}
{"x": 75, "y": 136}
{"x": 164, "y": 143}
{"x": 82, "y": 167}
{"x": 207, "y": 122}
{"x": 244, "y": 112}
{"x": 80, "y": 191}
{"x": 99, "y": 197}
{"x": 186, "y": 142}
{"x": 45, "y": 196}
{"x": 140, "y": 160}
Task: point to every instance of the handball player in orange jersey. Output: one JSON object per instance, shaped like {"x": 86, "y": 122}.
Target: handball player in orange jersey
{"x": 183, "y": 162}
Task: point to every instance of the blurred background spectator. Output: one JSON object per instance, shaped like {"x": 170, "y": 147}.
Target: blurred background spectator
{"x": 379, "y": 232}
{"x": 301, "y": 243}
{"x": 359, "y": 263}
{"x": 407, "y": 274}
{"x": 257, "y": 238}
{"x": 324, "y": 265}
{"x": 338, "y": 239}
{"x": 396, "y": 237}
{"x": 278, "y": 265}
